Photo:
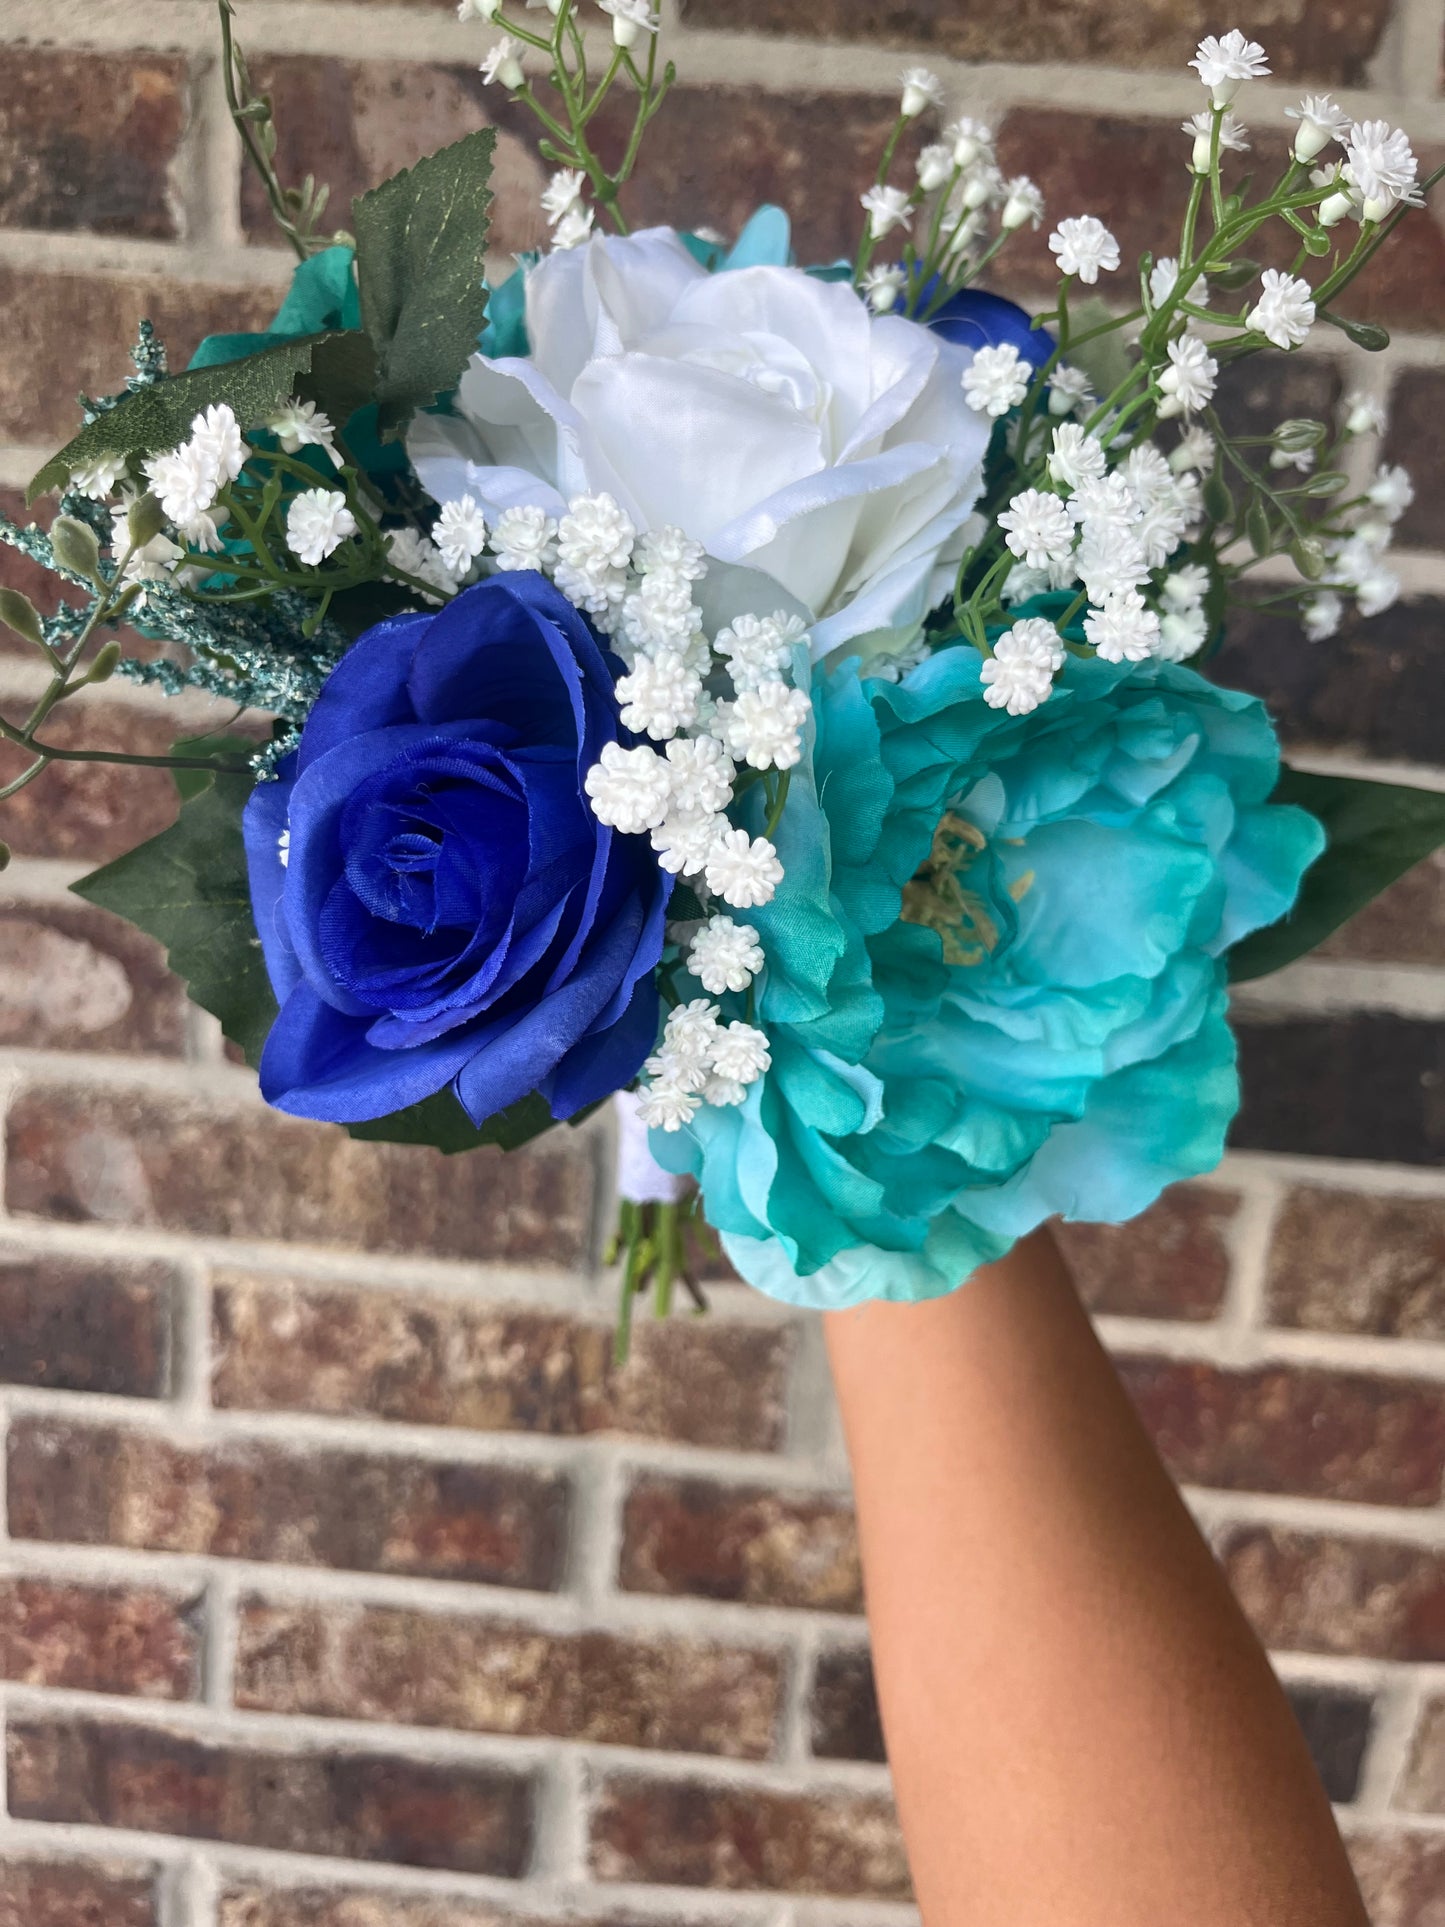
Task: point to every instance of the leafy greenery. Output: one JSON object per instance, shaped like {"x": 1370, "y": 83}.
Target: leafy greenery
{"x": 334, "y": 370}
{"x": 440, "y": 1121}
{"x": 421, "y": 242}
{"x": 188, "y": 888}
{"x": 1376, "y": 832}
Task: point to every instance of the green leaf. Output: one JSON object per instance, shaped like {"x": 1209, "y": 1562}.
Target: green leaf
{"x": 684, "y": 906}
{"x": 440, "y": 1121}
{"x": 421, "y": 242}
{"x": 1234, "y": 274}
{"x": 159, "y": 416}
{"x": 188, "y": 888}
{"x": 1365, "y": 334}
{"x": 1376, "y": 831}
{"x": 19, "y": 613}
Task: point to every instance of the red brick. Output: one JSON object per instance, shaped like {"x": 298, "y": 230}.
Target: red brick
{"x": 1415, "y": 438}
{"x": 73, "y": 978}
{"x": 92, "y": 812}
{"x": 1371, "y": 692}
{"x": 65, "y": 332}
{"x": 99, "y": 1639}
{"x": 1349, "y": 1261}
{"x": 712, "y": 155}
{"x": 422, "y": 1669}
{"x": 76, "y": 1893}
{"x": 100, "y": 1485}
{"x": 747, "y": 1838}
{"x": 1307, "y": 1592}
{"x": 1173, "y": 1262}
{"x": 1364, "y": 1084}
{"x": 1319, "y": 40}
{"x": 17, "y": 571}
{"x": 89, "y": 141}
{"x": 1402, "y": 1877}
{"x": 1336, "y": 1725}
{"x": 139, "y": 1158}
{"x": 843, "y": 1716}
{"x": 429, "y": 1360}
{"x": 1132, "y": 175}
{"x": 362, "y": 1806}
{"x": 1328, "y": 1435}
{"x": 77, "y": 1325}
{"x": 714, "y": 1541}
{"x": 1422, "y": 1788}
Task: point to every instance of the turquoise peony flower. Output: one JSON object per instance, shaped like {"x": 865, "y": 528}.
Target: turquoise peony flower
{"x": 996, "y": 981}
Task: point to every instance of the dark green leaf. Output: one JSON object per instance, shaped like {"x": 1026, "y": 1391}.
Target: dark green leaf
{"x": 440, "y": 1121}
{"x": 159, "y": 416}
{"x": 1365, "y": 334}
{"x": 683, "y": 905}
{"x": 421, "y": 242}
{"x": 1376, "y": 832}
{"x": 188, "y": 888}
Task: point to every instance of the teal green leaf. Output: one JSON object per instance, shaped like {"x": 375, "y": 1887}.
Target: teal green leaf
{"x": 188, "y": 888}
{"x": 159, "y": 416}
{"x": 1376, "y": 831}
{"x": 421, "y": 241}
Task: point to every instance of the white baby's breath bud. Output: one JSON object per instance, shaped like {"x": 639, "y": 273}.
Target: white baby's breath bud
{"x": 460, "y": 534}
{"x": 1069, "y": 390}
{"x": 1380, "y": 167}
{"x": 1195, "y": 451}
{"x": 996, "y": 380}
{"x": 1076, "y": 456}
{"x": 1123, "y": 629}
{"x": 486, "y": 10}
{"x": 1363, "y": 414}
{"x": 1182, "y": 633}
{"x": 410, "y": 553}
{"x": 881, "y": 288}
{"x": 971, "y": 141}
{"x": 524, "y": 538}
{"x": 1037, "y": 528}
{"x": 683, "y": 841}
{"x": 1233, "y": 139}
{"x": 701, "y": 773}
{"x": 886, "y": 208}
{"x": 669, "y": 549}
{"x": 1321, "y": 615}
{"x": 1186, "y": 587}
{"x": 317, "y": 523}
{"x": 574, "y": 229}
{"x": 301, "y": 424}
{"x": 692, "y": 1031}
{"x": 216, "y": 438}
{"x": 763, "y": 728}
{"x": 630, "y": 789}
{"x": 725, "y": 956}
{"x": 744, "y": 871}
{"x": 504, "y": 64}
{"x": 1391, "y": 492}
{"x": 1320, "y": 123}
{"x": 99, "y": 478}
{"x": 1084, "y": 247}
{"x": 1019, "y": 675}
{"x": 755, "y": 648}
{"x": 631, "y": 19}
{"x": 1023, "y": 204}
{"x": 1223, "y": 63}
{"x": 667, "y": 1106}
{"x": 1285, "y": 310}
{"x": 660, "y": 695}
{"x": 935, "y": 167}
{"x": 922, "y": 90}
{"x": 562, "y": 192}
{"x": 741, "y": 1053}
{"x": 1187, "y": 384}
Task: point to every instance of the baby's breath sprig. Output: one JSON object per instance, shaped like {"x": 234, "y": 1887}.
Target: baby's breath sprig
{"x": 578, "y": 94}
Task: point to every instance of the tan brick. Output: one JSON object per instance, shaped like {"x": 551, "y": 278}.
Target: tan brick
{"x": 1402, "y": 1877}
{"x": 1405, "y": 923}
{"x": 100, "y": 1485}
{"x": 428, "y": 1360}
{"x": 1350, "y": 1261}
{"x": 99, "y": 1639}
{"x": 73, "y": 978}
{"x": 1328, "y": 1435}
{"x": 361, "y": 1806}
{"x": 1172, "y": 1262}
{"x": 740, "y": 1543}
{"x": 142, "y": 1159}
{"x": 90, "y": 141}
{"x": 745, "y": 1838}
{"x": 421, "y": 1669}
{"x": 1309, "y": 1592}
{"x": 91, "y": 812}
{"x": 1422, "y": 1788}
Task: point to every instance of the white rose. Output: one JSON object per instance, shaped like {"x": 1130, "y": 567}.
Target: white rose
{"x": 766, "y": 412}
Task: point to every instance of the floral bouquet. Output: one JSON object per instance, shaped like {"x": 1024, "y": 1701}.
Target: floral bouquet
{"x": 773, "y": 697}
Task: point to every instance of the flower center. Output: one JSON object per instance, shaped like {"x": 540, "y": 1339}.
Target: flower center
{"x": 939, "y": 897}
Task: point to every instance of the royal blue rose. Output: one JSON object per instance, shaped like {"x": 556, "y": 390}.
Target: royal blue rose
{"x": 435, "y": 900}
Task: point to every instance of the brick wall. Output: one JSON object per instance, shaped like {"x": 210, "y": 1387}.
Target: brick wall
{"x": 344, "y": 1581}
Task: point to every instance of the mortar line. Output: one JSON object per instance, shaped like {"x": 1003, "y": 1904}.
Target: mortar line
{"x": 1396, "y": 1713}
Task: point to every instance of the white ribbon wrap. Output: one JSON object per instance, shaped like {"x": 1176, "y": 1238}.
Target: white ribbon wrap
{"x": 640, "y": 1178}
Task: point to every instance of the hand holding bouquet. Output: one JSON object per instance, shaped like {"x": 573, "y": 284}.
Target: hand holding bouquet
{"x": 773, "y": 696}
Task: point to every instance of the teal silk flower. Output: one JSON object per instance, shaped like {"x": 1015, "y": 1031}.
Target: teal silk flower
{"x": 996, "y": 983}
